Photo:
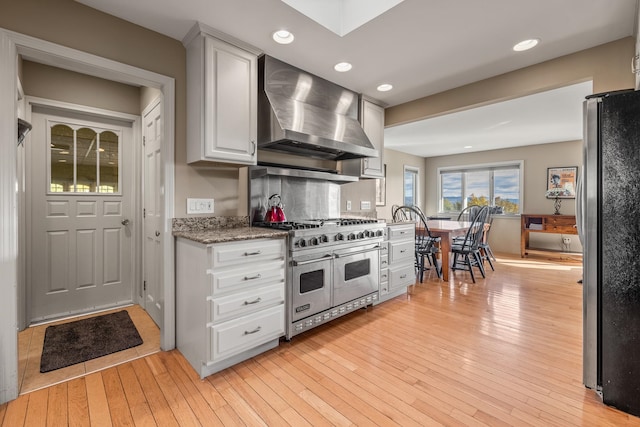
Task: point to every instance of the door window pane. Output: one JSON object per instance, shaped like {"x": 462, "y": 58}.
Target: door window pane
{"x": 62, "y": 148}
{"x": 108, "y": 153}
{"x": 83, "y": 160}
{"x": 86, "y": 160}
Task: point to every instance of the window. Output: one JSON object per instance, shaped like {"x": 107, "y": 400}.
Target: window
{"x": 491, "y": 184}
{"x": 410, "y": 186}
{"x": 83, "y": 159}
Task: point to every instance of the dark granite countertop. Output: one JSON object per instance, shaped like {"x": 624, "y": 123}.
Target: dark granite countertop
{"x": 221, "y": 235}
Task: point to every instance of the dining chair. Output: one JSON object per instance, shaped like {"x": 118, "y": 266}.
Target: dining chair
{"x": 425, "y": 243}
{"x": 468, "y": 213}
{"x": 485, "y": 248}
{"x": 466, "y": 252}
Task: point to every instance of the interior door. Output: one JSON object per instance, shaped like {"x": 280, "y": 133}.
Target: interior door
{"x": 152, "y": 281}
{"x": 79, "y": 243}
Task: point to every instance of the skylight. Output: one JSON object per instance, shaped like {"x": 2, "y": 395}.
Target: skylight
{"x": 342, "y": 16}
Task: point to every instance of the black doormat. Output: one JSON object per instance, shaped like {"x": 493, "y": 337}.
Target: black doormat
{"x": 82, "y": 340}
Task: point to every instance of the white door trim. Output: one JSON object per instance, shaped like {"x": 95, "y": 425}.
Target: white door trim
{"x": 13, "y": 44}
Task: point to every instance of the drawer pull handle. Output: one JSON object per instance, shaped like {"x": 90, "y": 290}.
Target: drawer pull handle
{"x": 257, "y": 276}
{"x": 255, "y": 331}
{"x": 403, "y": 251}
{"x": 404, "y": 276}
{"x": 403, "y": 232}
{"x": 252, "y": 253}
{"x": 255, "y": 301}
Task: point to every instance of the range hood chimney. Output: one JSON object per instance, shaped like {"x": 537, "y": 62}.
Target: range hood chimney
{"x": 303, "y": 114}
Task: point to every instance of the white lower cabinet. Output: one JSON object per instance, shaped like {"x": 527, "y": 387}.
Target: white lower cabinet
{"x": 230, "y": 301}
{"x": 398, "y": 254}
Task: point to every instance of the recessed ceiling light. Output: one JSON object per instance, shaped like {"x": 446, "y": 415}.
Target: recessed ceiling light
{"x": 283, "y": 37}
{"x": 342, "y": 67}
{"x": 385, "y": 87}
{"x": 526, "y": 45}
{"x": 468, "y": 146}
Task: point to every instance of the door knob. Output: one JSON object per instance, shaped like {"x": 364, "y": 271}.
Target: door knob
{"x": 125, "y": 222}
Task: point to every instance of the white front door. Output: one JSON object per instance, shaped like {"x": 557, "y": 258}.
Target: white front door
{"x": 79, "y": 242}
{"x": 152, "y": 222}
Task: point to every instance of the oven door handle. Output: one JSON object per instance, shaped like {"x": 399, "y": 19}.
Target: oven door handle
{"x": 375, "y": 248}
{"x": 297, "y": 263}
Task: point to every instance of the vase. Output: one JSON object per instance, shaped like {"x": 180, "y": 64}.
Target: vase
{"x": 556, "y": 206}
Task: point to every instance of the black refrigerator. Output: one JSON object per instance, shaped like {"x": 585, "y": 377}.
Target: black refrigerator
{"x": 608, "y": 209}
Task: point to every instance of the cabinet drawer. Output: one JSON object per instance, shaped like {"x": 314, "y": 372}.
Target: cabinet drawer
{"x": 561, "y": 229}
{"x": 246, "y": 252}
{"x": 243, "y": 303}
{"x": 403, "y": 231}
{"x": 567, "y": 222}
{"x": 246, "y": 277}
{"x": 401, "y": 276}
{"x": 401, "y": 251}
{"x": 230, "y": 338}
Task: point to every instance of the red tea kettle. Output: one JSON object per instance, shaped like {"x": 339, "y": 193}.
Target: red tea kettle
{"x": 274, "y": 211}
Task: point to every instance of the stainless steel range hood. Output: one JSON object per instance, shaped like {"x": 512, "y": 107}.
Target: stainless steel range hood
{"x": 303, "y": 114}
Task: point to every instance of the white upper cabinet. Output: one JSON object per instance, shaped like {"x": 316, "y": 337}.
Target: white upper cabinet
{"x": 221, "y": 100}
{"x": 372, "y": 121}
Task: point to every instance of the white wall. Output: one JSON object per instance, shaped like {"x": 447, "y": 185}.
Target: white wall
{"x": 396, "y": 161}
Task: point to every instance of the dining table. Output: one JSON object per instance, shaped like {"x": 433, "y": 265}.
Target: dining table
{"x": 446, "y": 230}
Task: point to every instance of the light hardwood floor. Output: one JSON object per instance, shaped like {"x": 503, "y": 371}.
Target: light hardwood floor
{"x": 504, "y": 351}
{"x": 30, "y": 343}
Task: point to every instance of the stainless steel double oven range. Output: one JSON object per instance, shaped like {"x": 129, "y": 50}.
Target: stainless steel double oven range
{"x": 333, "y": 269}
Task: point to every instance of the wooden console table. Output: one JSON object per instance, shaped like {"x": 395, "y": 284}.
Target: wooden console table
{"x": 534, "y": 223}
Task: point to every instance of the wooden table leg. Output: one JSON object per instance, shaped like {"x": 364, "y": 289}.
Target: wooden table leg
{"x": 445, "y": 249}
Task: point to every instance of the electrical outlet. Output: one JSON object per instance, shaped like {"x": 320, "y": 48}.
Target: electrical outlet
{"x": 365, "y": 205}
{"x": 566, "y": 240}
{"x": 348, "y": 205}
{"x": 199, "y": 206}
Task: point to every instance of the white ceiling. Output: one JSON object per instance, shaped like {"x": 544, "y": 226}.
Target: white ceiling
{"x": 552, "y": 116}
{"x": 421, "y": 47}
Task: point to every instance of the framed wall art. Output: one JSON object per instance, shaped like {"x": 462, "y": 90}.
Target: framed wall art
{"x": 561, "y": 182}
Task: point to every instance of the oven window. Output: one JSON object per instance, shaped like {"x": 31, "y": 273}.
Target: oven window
{"x": 353, "y": 270}
{"x": 311, "y": 281}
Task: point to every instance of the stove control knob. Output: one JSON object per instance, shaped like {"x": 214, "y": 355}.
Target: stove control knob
{"x": 351, "y": 236}
{"x": 323, "y": 239}
{"x": 313, "y": 241}
{"x": 302, "y": 243}
{"x": 361, "y": 235}
{"x": 339, "y": 236}
{"x": 369, "y": 233}
{"x": 379, "y": 233}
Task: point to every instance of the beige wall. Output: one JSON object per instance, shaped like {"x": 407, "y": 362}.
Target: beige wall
{"x": 396, "y": 161}
{"x": 62, "y": 85}
{"x": 72, "y": 24}
{"x": 505, "y": 236}
{"x": 607, "y": 65}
